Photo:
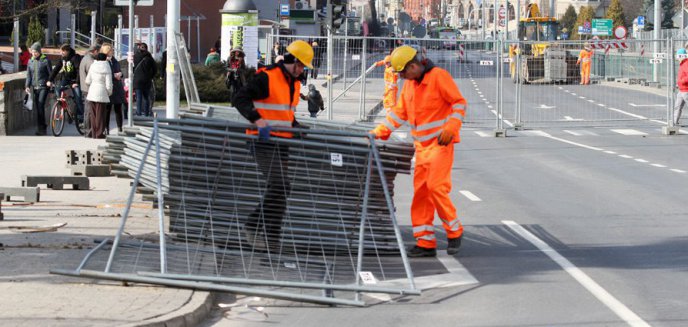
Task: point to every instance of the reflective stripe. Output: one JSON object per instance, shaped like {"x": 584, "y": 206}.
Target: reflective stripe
{"x": 457, "y": 116}
{"x": 396, "y": 118}
{"x": 429, "y": 237}
{"x": 459, "y": 107}
{"x": 278, "y": 122}
{"x": 271, "y": 106}
{"x": 430, "y": 125}
{"x": 389, "y": 125}
{"x": 423, "y": 228}
{"x": 453, "y": 225}
{"x": 427, "y": 137}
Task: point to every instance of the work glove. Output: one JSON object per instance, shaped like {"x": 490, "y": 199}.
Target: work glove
{"x": 264, "y": 133}
{"x": 445, "y": 138}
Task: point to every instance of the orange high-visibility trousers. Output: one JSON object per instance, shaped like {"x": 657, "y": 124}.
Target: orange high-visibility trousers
{"x": 432, "y": 184}
{"x": 585, "y": 72}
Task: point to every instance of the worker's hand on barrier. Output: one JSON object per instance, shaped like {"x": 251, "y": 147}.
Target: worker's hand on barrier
{"x": 372, "y": 134}
{"x": 264, "y": 133}
{"x": 445, "y": 138}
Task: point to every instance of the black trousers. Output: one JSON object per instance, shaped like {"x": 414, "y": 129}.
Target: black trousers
{"x": 40, "y": 95}
{"x": 272, "y": 160}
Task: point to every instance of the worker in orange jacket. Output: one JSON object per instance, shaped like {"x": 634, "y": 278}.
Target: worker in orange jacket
{"x": 431, "y": 103}
{"x": 391, "y": 87}
{"x": 269, "y": 100}
{"x": 585, "y": 61}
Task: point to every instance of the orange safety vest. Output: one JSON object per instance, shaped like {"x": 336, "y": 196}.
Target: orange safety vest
{"x": 584, "y": 56}
{"x": 278, "y": 108}
{"x": 391, "y": 88}
{"x": 429, "y": 107}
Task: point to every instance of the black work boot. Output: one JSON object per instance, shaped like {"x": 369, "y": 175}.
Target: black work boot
{"x": 419, "y": 252}
{"x": 453, "y": 245}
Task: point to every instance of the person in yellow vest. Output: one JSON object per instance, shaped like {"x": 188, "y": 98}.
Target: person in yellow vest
{"x": 585, "y": 61}
{"x": 391, "y": 87}
{"x": 269, "y": 100}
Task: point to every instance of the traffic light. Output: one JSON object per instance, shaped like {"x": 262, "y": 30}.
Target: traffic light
{"x": 338, "y": 14}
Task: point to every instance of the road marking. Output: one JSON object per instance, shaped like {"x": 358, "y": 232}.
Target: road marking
{"x": 457, "y": 275}
{"x": 571, "y": 118}
{"x": 500, "y": 117}
{"x": 625, "y": 156}
{"x": 641, "y": 160}
{"x": 601, "y": 104}
{"x": 591, "y": 101}
{"x": 610, "y": 152}
{"x": 542, "y": 106}
{"x": 628, "y": 113}
{"x": 483, "y": 134}
{"x": 646, "y": 105}
{"x": 572, "y": 133}
{"x": 678, "y": 171}
{"x": 470, "y": 195}
{"x": 580, "y": 132}
{"x": 573, "y": 93}
{"x": 595, "y": 289}
{"x": 658, "y": 165}
{"x": 630, "y": 132}
{"x": 582, "y": 97}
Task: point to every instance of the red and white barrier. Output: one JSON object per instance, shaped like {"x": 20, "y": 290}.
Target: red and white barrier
{"x": 462, "y": 52}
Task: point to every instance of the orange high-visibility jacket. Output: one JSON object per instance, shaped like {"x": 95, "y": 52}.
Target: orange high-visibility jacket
{"x": 429, "y": 107}
{"x": 584, "y": 56}
{"x": 278, "y": 109}
{"x": 389, "y": 99}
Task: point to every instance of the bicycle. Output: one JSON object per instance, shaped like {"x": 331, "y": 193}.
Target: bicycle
{"x": 57, "y": 114}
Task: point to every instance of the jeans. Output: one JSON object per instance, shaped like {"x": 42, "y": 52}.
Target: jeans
{"x": 681, "y": 100}
{"x": 78, "y": 97}
{"x": 40, "y": 95}
{"x": 143, "y": 102}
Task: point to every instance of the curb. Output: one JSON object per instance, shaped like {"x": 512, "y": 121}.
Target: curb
{"x": 191, "y": 314}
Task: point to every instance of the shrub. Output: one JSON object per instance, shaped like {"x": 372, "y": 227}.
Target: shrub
{"x": 210, "y": 81}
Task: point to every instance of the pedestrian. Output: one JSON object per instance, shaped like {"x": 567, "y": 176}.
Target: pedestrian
{"x": 431, "y": 103}
{"x": 236, "y": 71}
{"x": 317, "y": 59}
{"x": 315, "y": 101}
{"x": 269, "y": 100}
{"x": 218, "y": 44}
{"x": 212, "y": 58}
{"x": 144, "y": 72}
{"x": 682, "y": 84}
{"x": 84, "y": 66}
{"x": 276, "y": 51}
{"x": 391, "y": 78}
{"x": 66, "y": 75}
{"x": 99, "y": 81}
{"x": 24, "y": 57}
{"x": 37, "y": 76}
{"x": 585, "y": 61}
{"x": 117, "y": 96}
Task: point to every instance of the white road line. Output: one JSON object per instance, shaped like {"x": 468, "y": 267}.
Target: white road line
{"x": 678, "y": 171}
{"x": 658, "y": 165}
{"x": 641, "y": 160}
{"x": 483, "y": 134}
{"x": 601, "y": 104}
{"x": 494, "y": 112}
{"x": 625, "y": 156}
{"x": 595, "y": 289}
{"x": 591, "y": 101}
{"x": 572, "y": 133}
{"x": 470, "y": 195}
{"x": 610, "y": 152}
{"x": 629, "y": 132}
{"x": 628, "y": 113}
{"x": 646, "y": 105}
{"x": 573, "y": 93}
{"x": 573, "y": 143}
{"x": 582, "y": 97}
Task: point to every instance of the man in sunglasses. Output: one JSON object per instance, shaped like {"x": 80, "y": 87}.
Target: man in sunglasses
{"x": 269, "y": 100}
{"x": 433, "y": 106}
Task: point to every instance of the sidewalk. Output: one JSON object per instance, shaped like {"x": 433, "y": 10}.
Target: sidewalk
{"x": 33, "y": 297}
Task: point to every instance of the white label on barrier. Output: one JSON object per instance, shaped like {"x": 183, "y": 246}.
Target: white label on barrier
{"x": 681, "y": 56}
{"x": 336, "y": 159}
{"x": 290, "y": 265}
{"x": 355, "y": 57}
{"x": 660, "y": 55}
{"x": 486, "y": 63}
{"x": 656, "y": 61}
{"x": 367, "y": 277}
{"x": 507, "y": 60}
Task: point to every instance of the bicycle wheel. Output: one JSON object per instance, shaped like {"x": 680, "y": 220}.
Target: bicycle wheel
{"x": 57, "y": 119}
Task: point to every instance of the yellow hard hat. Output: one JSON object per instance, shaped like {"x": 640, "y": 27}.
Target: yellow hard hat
{"x": 388, "y": 59}
{"x": 302, "y": 51}
{"x": 401, "y": 56}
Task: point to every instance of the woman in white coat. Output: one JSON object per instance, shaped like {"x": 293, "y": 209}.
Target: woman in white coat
{"x": 99, "y": 81}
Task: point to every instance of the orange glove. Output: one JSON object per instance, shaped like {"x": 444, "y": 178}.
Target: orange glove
{"x": 445, "y": 138}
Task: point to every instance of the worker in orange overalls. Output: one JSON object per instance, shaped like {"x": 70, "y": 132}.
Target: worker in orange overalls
{"x": 431, "y": 103}
{"x": 391, "y": 88}
{"x": 269, "y": 100}
{"x": 585, "y": 61}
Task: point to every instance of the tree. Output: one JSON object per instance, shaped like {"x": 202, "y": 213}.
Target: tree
{"x": 586, "y": 14}
{"x": 568, "y": 21}
{"x": 632, "y": 9}
{"x": 668, "y": 12}
{"x": 616, "y": 13}
{"x": 36, "y": 33}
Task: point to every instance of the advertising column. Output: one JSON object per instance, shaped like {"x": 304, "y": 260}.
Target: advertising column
{"x": 240, "y": 30}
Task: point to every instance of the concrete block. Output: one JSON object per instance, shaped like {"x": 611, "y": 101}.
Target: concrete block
{"x": 90, "y": 170}
{"x": 57, "y": 182}
{"x": 28, "y": 194}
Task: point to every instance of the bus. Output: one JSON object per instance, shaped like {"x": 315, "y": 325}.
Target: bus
{"x": 446, "y": 33}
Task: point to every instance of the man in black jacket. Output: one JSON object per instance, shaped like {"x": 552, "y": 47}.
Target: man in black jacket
{"x": 66, "y": 75}
{"x": 144, "y": 73}
{"x": 37, "y": 76}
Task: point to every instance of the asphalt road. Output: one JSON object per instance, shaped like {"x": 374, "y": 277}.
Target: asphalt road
{"x": 580, "y": 223}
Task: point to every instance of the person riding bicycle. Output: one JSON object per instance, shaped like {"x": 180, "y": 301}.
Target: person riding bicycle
{"x": 66, "y": 75}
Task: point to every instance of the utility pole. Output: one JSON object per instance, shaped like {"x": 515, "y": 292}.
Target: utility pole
{"x": 130, "y": 71}
{"x": 657, "y": 28}
{"x": 330, "y": 58}
{"x": 172, "y": 69}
